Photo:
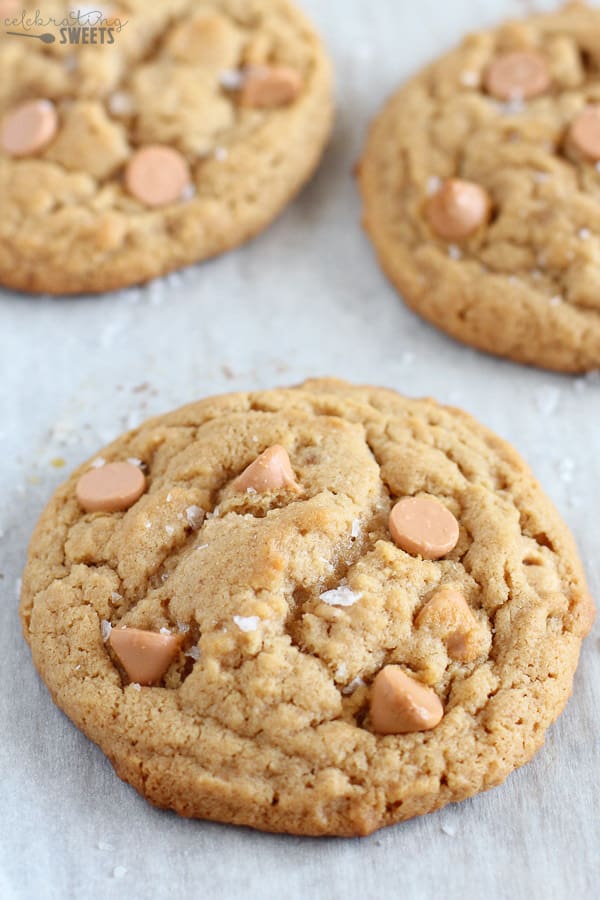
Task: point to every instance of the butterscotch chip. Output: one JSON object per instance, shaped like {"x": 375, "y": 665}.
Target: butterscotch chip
{"x": 223, "y": 173}
{"x": 269, "y": 87}
{"x": 400, "y": 704}
{"x": 423, "y": 526}
{"x": 448, "y": 616}
{"x": 29, "y": 128}
{"x": 111, "y": 488}
{"x": 585, "y": 132}
{"x": 157, "y": 176}
{"x": 458, "y": 209}
{"x": 519, "y": 75}
{"x": 145, "y": 655}
{"x": 290, "y": 604}
{"x": 270, "y": 471}
{"x": 527, "y": 284}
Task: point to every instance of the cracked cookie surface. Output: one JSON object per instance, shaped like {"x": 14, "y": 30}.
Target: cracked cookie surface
{"x": 173, "y": 77}
{"x": 526, "y": 285}
{"x": 287, "y": 604}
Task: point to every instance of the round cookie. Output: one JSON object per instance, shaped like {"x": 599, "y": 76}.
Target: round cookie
{"x": 180, "y": 133}
{"x": 247, "y": 642}
{"x": 481, "y": 188}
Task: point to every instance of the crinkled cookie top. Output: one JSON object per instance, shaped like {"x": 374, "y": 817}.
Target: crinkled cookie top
{"x": 275, "y": 595}
{"x": 481, "y": 184}
{"x": 180, "y": 132}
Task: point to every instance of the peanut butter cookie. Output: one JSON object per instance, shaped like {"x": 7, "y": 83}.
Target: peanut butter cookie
{"x": 318, "y": 610}
{"x": 150, "y": 136}
{"x": 481, "y": 190}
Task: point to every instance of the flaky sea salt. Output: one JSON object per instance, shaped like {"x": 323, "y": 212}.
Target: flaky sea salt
{"x": 164, "y": 631}
{"x": 246, "y": 623}
{"x": 341, "y": 672}
{"x": 116, "y": 596}
{"x": 169, "y": 529}
{"x": 434, "y": 183}
{"x": 454, "y": 252}
{"x": 119, "y": 871}
{"x": 195, "y": 516}
{"x": 183, "y": 627}
{"x": 555, "y": 301}
{"x": 547, "y": 400}
{"x": 250, "y": 490}
{"x": 105, "y": 629}
{"x": 189, "y": 192}
{"x": 584, "y": 234}
{"x": 136, "y": 686}
{"x": 231, "y": 79}
{"x": 221, "y": 154}
{"x": 353, "y": 686}
{"x": 134, "y": 461}
{"x": 193, "y": 653}
{"x": 354, "y": 533}
{"x": 120, "y": 104}
{"x": 104, "y": 845}
{"x": 566, "y": 469}
{"x": 98, "y": 462}
{"x": 469, "y": 78}
{"x": 449, "y": 828}
{"x": 340, "y": 596}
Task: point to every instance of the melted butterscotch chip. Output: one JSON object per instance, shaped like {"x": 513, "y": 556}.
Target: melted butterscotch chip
{"x": 28, "y": 128}
{"x": 518, "y": 75}
{"x": 144, "y": 655}
{"x": 111, "y": 488}
{"x": 458, "y": 209}
{"x": 400, "y": 704}
{"x": 423, "y": 526}
{"x": 271, "y": 471}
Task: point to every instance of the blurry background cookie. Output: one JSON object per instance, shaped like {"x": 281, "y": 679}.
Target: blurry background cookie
{"x": 143, "y": 137}
{"x": 481, "y": 189}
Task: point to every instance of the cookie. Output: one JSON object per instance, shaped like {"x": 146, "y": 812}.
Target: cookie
{"x": 481, "y": 188}
{"x": 143, "y": 138}
{"x": 317, "y": 610}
